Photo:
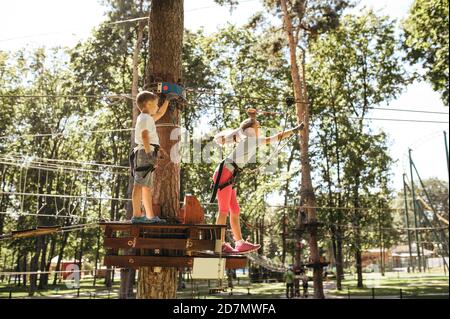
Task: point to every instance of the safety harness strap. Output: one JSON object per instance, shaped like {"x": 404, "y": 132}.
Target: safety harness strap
{"x": 216, "y": 186}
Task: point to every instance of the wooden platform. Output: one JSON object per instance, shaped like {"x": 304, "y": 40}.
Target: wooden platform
{"x": 231, "y": 262}
{"x": 165, "y": 245}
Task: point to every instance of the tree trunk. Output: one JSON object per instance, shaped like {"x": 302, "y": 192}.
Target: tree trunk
{"x": 43, "y": 264}
{"x": 339, "y": 254}
{"x": 307, "y": 197}
{"x": 357, "y": 225}
{"x": 166, "y": 41}
{"x": 60, "y": 256}
{"x": 49, "y": 260}
{"x": 127, "y": 276}
{"x": 34, "y": 265}
{"x": 358, "y": 259}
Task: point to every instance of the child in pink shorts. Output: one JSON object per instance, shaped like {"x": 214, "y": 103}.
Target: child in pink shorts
{"x": 247, "y": 137}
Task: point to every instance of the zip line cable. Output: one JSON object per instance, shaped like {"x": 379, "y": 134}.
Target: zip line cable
{"x": 69, "y": 161}
{"x": 64, "y": 229}
{"x": 42, "y": 215}
{"x": 210, "y": 92}
{"x": 59, "y": 168}
{"x": 65, "y": 196}
{"x": 130, "y": 130}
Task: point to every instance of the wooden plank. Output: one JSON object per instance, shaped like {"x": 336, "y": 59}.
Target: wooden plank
{"x": 148, "y": 261}
{"x": 126, "y": 224}
{"x": 116, "y": 227}
{"x": 40, "y": 231}
{"x": 158, "y": 243}
{"x": 235, "y": 263}
{"x": 157, "y": 261}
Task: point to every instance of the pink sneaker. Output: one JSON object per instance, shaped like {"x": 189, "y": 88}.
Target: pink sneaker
{"x": 245, "y": 247}
{"x": 227, "y": 249}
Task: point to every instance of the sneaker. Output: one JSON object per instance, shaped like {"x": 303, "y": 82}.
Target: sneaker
{"x": 139, "y": 220}
{"x": 227, "y": 249}
{"x": 244, "y": 247}
{"x": 155, "y": 220}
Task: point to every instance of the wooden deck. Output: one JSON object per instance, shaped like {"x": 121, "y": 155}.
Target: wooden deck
{"x": 165, "y": 245}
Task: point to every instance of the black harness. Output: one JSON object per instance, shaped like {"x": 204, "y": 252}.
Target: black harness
{"x": 216, "y": 186}
{"x": 146, "y": 168}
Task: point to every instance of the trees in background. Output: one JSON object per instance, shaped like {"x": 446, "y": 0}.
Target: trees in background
{"x": 426, "y": 42}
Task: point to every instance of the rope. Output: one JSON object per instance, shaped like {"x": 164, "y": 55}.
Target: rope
{"x": 65, "y": 196}
{"x": 214, "y": 92}
{"x": 57, "y": 168}
{"x": 65, "y": 229}
{"x": 258, "y": 169}
{"x": 42, "y": 215}
{"x": 18, "y": 273}
{"x": 257, "y": 259}
{"x": 17, "y": 155}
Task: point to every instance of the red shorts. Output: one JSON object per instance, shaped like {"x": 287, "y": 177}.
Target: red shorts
{"x": 226, "y": 196}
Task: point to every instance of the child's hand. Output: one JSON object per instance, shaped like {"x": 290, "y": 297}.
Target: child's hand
{"x": 171, "y": 96}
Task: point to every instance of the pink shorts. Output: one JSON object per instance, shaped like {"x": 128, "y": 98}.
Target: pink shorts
{"x": 227, "y": 196}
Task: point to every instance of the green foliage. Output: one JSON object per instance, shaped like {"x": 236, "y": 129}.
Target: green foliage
{"x": 350, "y": 68}
{"x": 426, "y": 42}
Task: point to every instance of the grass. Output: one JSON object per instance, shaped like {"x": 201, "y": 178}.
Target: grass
{"x": 412, "y": 285}
{"x": 87, "y": 290}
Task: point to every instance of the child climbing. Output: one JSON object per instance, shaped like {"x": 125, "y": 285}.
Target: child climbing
{"x": 144, "y": 155}
{"x": 247, "y": 137}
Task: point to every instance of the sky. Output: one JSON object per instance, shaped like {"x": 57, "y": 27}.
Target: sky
{"x": 31, "y": 23}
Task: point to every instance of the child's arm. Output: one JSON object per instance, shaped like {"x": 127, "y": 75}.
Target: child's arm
{"x": 146, "y": 141}
{"x": 282, "y": 135}
{"x": 163, "y": 109}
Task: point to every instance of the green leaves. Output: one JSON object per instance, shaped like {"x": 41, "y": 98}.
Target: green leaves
{"x": 426, "y": 41}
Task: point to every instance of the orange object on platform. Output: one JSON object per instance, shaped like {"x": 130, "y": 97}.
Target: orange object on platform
{"x": 192, "y": 212}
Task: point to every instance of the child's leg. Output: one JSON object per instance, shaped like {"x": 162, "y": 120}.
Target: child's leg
{"x": 235, "y": 212}
{"x": 147, "y": 199}
{"x": 136, "y": 200}
{"x": 223, "y": 196}
{"x": 223, "y": 199}
{"x": 241, "y": 246}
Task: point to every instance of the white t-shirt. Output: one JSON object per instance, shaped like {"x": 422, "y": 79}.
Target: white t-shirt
{"x": 245, "y": 151}
{"x": 145, "y": 122}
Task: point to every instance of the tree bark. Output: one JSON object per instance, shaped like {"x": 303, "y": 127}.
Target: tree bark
{"x": 34, "y": 265}
{"x": 127, "y": 276}
{"x": 307, "y": 197}
{"x": 43, "y": 264}
{"x": 60, "y": 256}
{"x": 166, "y": 41}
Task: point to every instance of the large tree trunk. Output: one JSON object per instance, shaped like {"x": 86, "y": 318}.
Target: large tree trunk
{"x": 65, "y": 236}
{"x": 34, "y": 265}
{"x": 127, "y": 276}
{"x": 339, "y": 254}
{"x": 43, "y": 264}
{"x": 166, "y": 41}
{"x": 307, "y": 197}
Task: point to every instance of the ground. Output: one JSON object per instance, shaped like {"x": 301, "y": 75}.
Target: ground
{"x": 428, "y": 285}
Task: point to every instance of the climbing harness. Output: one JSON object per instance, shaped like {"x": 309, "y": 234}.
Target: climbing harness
{"x": 216, "y": 185}
{"x": 149, "y": 168}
